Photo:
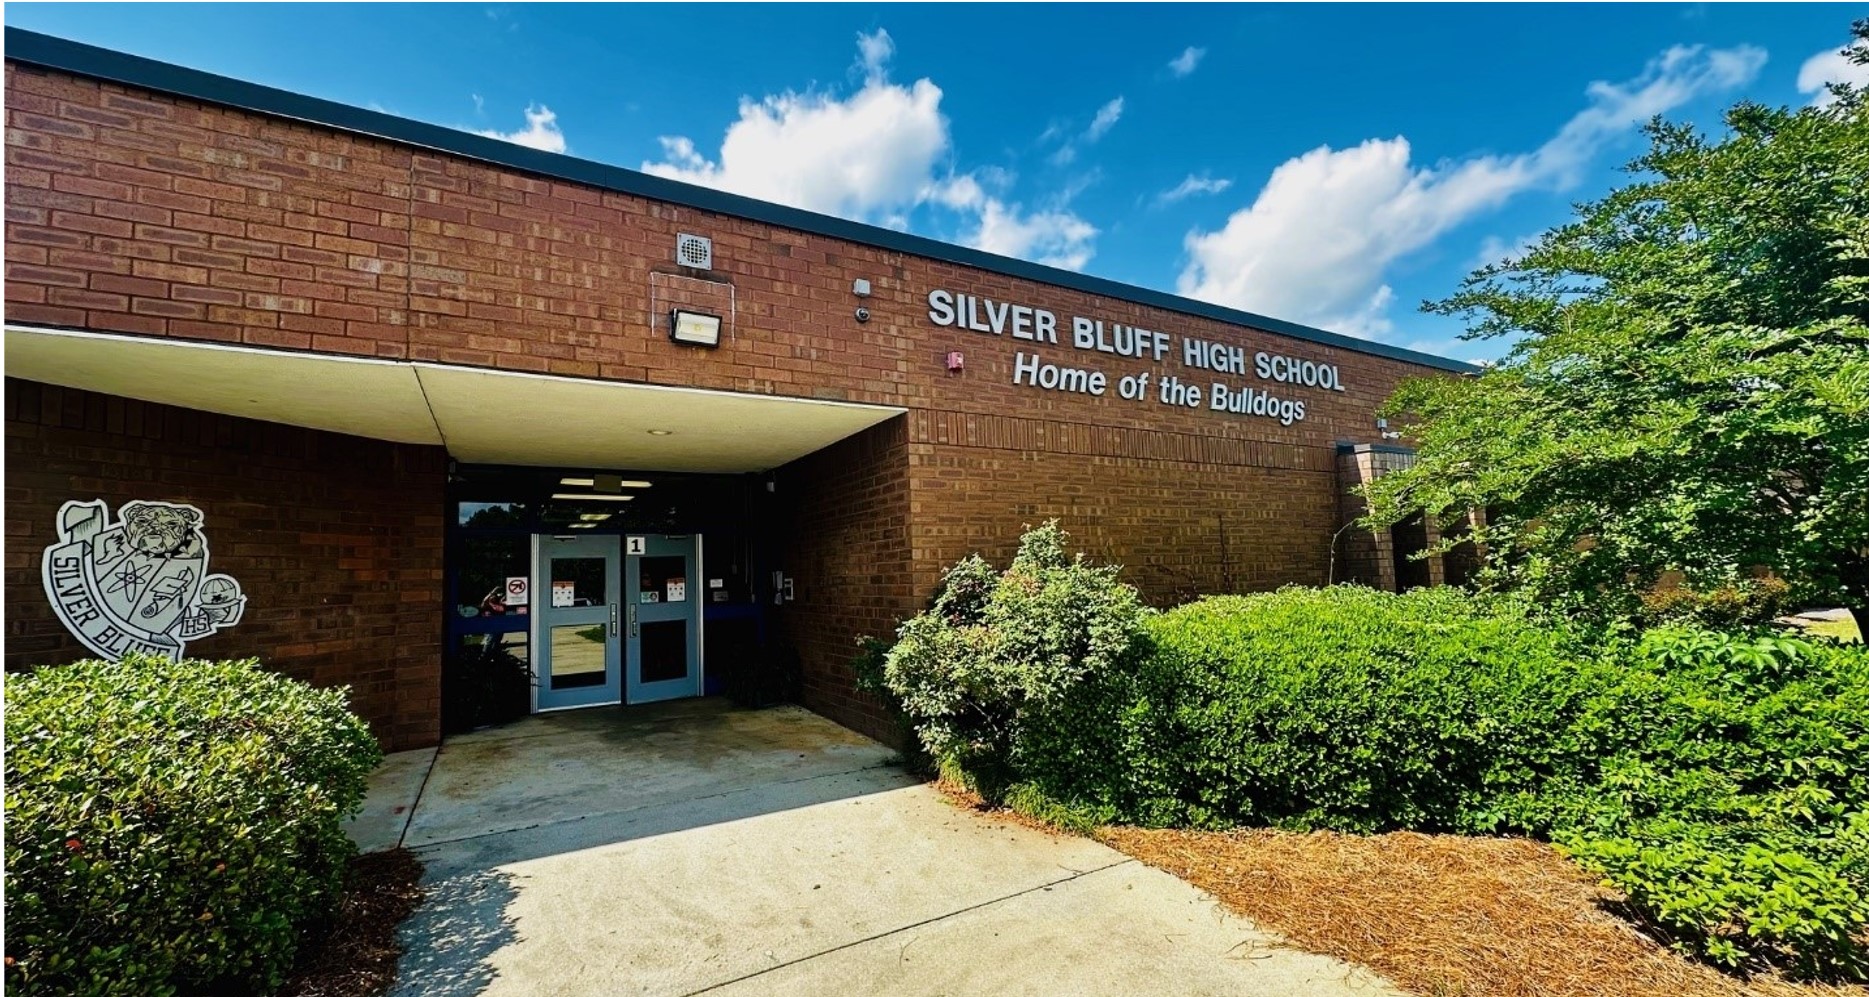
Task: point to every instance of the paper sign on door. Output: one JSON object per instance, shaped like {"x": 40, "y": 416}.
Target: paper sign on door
{"x": 678, "y": 590}
{"x": 564, "y": 594}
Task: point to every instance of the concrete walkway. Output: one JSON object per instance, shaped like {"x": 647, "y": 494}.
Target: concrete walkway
{"x": 695, "y": 848}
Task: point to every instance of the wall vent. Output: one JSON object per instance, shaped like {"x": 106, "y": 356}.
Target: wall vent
{"x": 694, "y": 251}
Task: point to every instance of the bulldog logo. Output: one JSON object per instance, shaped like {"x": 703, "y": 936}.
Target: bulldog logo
{"x": 140, "y": 584}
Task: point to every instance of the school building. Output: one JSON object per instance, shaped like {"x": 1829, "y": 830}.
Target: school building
{"x": 403, "y": 408}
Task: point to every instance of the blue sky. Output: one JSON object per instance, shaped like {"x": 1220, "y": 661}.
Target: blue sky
{"x": 1328, "y": 164}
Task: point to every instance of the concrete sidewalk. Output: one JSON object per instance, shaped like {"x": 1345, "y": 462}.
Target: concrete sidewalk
{"x": 701, "y": 849}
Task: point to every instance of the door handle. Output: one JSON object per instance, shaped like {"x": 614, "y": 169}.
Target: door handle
{"x": 613, "y": 619}
{"x": 632, "y": 620}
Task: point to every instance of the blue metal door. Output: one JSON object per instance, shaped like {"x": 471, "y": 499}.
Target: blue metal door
{"x": 664, "y": 620}
{"x": 577, "y": 633}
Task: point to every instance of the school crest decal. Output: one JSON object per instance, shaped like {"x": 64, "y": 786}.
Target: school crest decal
{"x": 140, "y": 584}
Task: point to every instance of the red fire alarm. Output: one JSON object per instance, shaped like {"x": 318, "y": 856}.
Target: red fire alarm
{"x": 955, "y": 361}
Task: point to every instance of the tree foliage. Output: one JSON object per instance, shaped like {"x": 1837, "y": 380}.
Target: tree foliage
{"x": 1688, "y": 390}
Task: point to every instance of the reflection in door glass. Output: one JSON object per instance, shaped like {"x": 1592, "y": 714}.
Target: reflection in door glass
{"x": 578, "y": 581}
{"x": 664, "y": 650}
{"x": 577, "y": 655}
{"x": 485, "y": 570}
{"x": 663, "y": 579}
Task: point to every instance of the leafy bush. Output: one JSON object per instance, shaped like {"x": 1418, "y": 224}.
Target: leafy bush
{"x": 1007, "y": 677}
{"x": 1737, "y": 603}
{"x": 1740, "y": 818}
{"x": 1351, "y": 709}
{"x": 1716, "y": 778}
{"x": 171, "y": 825}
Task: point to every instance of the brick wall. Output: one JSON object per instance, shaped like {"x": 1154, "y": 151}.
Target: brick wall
{"x": 137, "y": 212}
{"x": 335, "y": 540}
{"x": 843, "y": 535}
{"x": 1185, "y": 515}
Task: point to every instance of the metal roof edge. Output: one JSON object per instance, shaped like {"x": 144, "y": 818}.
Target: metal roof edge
{"x": 51, "y": 52}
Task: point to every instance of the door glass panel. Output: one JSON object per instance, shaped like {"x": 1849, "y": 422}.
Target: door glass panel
{"x": 577, "y": 581}
{"x": 664, "y": 649}
{"x": 577, "y": 655}
{"x": 487, "y": 564}
{"x": 496, "y": 652}
{"x": 663, "y": 579}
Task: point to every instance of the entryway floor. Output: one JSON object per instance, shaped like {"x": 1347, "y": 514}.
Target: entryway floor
{"x": 696, "y": 848}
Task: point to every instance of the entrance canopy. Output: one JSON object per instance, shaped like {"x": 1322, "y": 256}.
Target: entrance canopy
{"x": 481, "y": 416}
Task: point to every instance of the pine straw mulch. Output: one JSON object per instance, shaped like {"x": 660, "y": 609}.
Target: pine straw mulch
{"x": 356, "y": 955}
{"x": 1441, "y": 914}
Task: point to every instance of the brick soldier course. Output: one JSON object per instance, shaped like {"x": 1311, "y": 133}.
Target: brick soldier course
{"x": 153, "y": 201}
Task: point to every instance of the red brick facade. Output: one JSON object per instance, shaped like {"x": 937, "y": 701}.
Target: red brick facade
{"x": 342, "y": 571}
{"x": 846, "y": 522}
{"x": 135, "y": 212}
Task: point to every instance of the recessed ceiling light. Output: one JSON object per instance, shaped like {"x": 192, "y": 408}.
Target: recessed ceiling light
{"x": 592, "y": 483}
{"x": 582, "y": 526}
{"x": 569, "y": 497}
{"x": 661, "y": 432}
{"x": 594, "y": 517}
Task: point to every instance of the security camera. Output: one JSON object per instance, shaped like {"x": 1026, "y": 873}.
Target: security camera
{"x": 863, "y": 314}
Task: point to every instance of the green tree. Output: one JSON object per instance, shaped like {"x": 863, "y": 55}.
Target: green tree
{"x": 1689, "y": 386}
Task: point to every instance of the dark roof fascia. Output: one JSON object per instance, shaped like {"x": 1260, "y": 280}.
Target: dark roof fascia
{"x": 47, "y": 51}
{"x": 1348, "y": 447}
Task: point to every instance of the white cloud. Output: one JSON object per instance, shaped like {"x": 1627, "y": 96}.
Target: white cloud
{"x": 1194, "y": 184}
{"x": 874, "y": 52}
{"x": 1493, "y": 249}
{"x": 1053, "y": 236}
{"x": 872, "y": 156}
{"x": 541, "y": 131}
{"x": 1829, "y": 66}
{"x": 1316, "y": 243}
{"x": 1185, "y": 63}
{"x": 1107, "y": 117}
{"x": 866, "y": 156}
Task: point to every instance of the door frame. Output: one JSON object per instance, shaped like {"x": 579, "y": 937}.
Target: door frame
{"x": 625, "y": 582}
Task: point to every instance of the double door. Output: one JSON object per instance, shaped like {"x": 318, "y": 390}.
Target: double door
{"x": 617, "y": 619}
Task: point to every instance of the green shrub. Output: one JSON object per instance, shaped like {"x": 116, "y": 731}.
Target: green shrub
{"x": 1740, "y": 603}
{"x": 1352, "y": 709}
{"x": 1007, "y": 677}
{"x": 172, "y": 825}
{"x": 1717, "y": 779}
{"x": 1740, "y": 819}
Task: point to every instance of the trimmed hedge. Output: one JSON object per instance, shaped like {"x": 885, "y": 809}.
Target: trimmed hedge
{"x": 1717, "y": 779}
{"x": 172, "y": 825}
{"x": 1355, "y": 710}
